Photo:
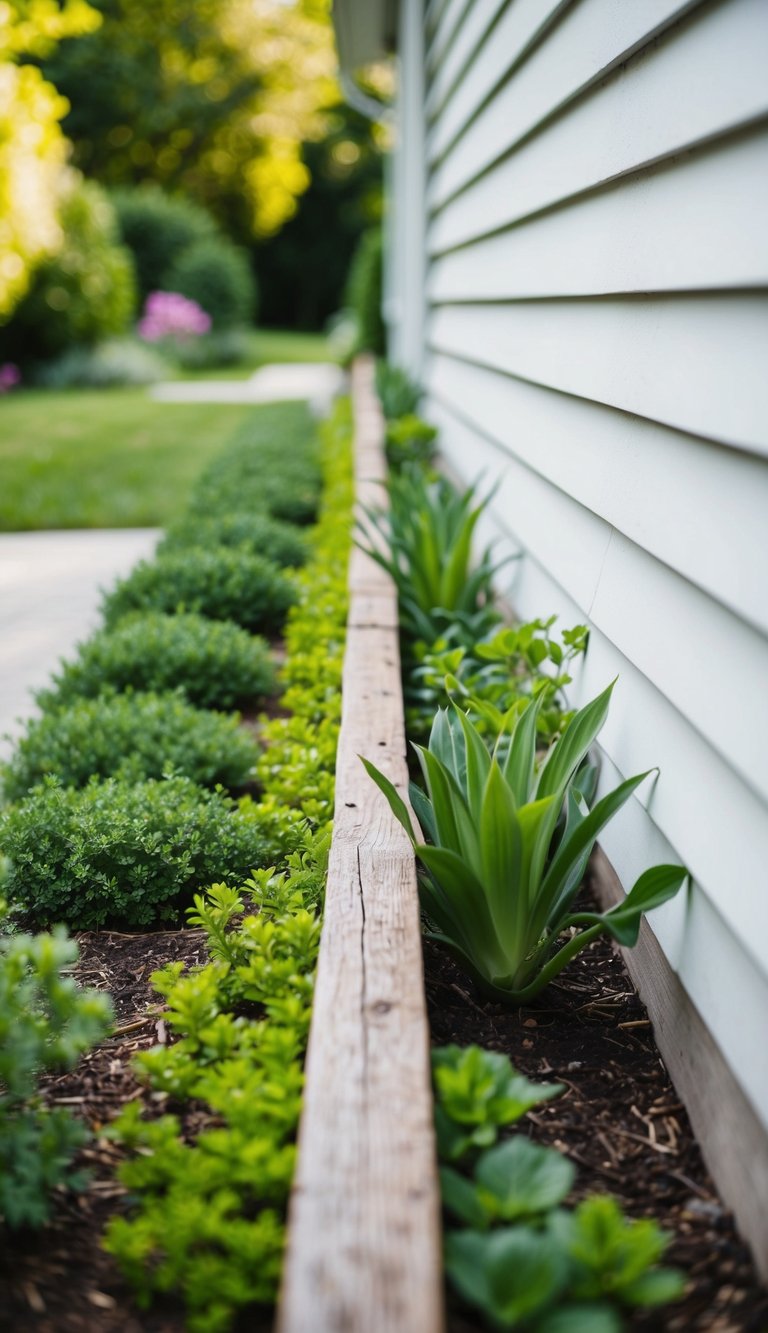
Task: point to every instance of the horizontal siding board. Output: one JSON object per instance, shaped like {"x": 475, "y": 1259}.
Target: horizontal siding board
{"x": 479, "y": 18}
{"x": 591, "y": 40}
{"x": 693, "y": 933}
{"x": 445, "y": 30}
{"x": 670, "y": 229}
{"x": 684, "y": 643}
{"x": 645, "y": 728}
{"x": 611, "y": 463}
{"x": 520, "y": 25}
{"x": 693, "y": 362}
{"x": 679, "y": 94}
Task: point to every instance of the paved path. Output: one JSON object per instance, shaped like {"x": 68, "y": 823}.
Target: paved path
{"x": 49, "y": 598}
{"x": 318, "y": 382}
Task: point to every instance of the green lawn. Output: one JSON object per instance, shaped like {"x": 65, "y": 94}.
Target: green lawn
{"x": 266, "y": 345}
{"x": 103, "y": 458}
{"x": 113, "y": 457}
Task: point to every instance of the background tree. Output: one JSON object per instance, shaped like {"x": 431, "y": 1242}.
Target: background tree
{"x": 211, "y": 99}
{"x": 303, "y": 270}
{"x": 33, "y": 149}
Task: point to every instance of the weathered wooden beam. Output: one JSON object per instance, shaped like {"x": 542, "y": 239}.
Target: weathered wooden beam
{"x": 364, "y": 1224}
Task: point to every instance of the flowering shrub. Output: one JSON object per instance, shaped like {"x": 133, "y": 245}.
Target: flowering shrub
{"x": 171, "y": 315}
{"x": 10, "y": 376}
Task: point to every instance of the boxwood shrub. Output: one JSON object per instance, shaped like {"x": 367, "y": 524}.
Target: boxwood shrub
{"x": 214, "y": 663}
{"x": 134, "y": 736}
{"x": 255, "y": 533}
{"x": 126, "y": 854}
{"x": 271, "y": 466}
{"x": 223, "y": 583}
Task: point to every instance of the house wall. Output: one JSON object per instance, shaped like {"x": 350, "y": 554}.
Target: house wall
{"x": 595, "y": 220}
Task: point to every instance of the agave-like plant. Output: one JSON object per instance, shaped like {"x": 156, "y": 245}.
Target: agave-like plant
{"x": 428, "y": 531}
{"x": 508, "y": 846}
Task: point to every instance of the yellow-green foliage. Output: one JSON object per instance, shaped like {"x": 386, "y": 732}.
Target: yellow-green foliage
{"x": 33, "y": 149}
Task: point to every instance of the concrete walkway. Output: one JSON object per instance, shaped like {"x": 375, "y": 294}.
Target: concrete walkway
{"x": 318, "y": 382}
{"x": 50, "y": 586}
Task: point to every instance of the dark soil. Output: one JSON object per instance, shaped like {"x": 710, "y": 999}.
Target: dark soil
{"x": 620, "y": 1122}
{"x": 60, "y": 1280}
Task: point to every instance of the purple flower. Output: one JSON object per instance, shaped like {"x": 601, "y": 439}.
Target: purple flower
{"x": 10, "y": 376}
{"x": 171, "y": 315}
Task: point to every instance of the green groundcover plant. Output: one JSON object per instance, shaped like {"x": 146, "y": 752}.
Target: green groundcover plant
{"x": 46, "y": 1023}
{"x": 222, "y": 583}
{"x": 427, "y": 537}
{"x": 206, "y": 1210}
{"x": 214, "y": 663}
{"x": 133, "y": 736}
{"x": 522, "y": 1259}
{"x": 255, "y": 533}
{"x": 510, "y": 665}
{"x": 129, "y": 854}
{"x": 508, "y": 846}
{"x": 409, "y": 439}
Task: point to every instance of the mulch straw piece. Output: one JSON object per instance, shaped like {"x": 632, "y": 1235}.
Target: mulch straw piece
{"x": 620, "y": 1121}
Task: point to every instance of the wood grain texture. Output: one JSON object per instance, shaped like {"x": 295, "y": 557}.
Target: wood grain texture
{"x": 364, "y": 1232}
{"x": 732, "y": 1140}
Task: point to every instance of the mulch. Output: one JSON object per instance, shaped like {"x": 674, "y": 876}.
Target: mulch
{"x": 620, "y": 1121}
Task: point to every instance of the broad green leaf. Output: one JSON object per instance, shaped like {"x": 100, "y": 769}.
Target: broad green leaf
{"x": 519, "y": 1179}
{"x": 658, "y": 1287}
{"x": 580, "y": 1319}
{"x": 567, "y": 752}
{"x": 577, "y": 844}
{"x": 422, "y": 810}
{"x": 510, "y": 1274}
{"x": 397, "y": 804}
{"x": 468, "y": 901}
{"x": 478, "y": 763}
{"x": 654, "y": 887}
{"x": 461, "y": 1198}
{"x": 500, "y": 859}
{"x": 520, "y": 759}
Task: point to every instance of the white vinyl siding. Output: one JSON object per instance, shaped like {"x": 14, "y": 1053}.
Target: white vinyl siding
{"x": 597, "y": 341}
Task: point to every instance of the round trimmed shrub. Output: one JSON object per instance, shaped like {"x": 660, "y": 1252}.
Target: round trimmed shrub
{"x": 157, "y": 227}
{"x": 124, "y": 854}
{"x": 133, "y": 736}
{"x": 256, "y": 534}
{"x": 217, "y": 275}
{"x": 214, "y": 663}
{"x": 224, "y": 583}
{"x": 84, "y": 293}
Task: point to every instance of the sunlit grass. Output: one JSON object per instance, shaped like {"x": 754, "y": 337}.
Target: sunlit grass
{"x": 103, "y": 458}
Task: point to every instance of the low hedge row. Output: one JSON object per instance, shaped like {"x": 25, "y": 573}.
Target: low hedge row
{"x": 113, "y": 828}
{"x": 207, "y": 1215}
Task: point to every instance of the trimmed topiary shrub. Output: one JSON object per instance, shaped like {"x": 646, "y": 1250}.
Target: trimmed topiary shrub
{"x": 125, "y": 854}
{"x": 157, "y": 228}
{"x": 215, "y": 664}
{"x": 364, "y": 293}
{"x": 265, "y": 468}
{"x": 256, "y": 534}
{"x": 84, "y": 293}
{"x": 217, "y": 275}
{"x": 133, "y": 736}
{"x": 223, "y": 583}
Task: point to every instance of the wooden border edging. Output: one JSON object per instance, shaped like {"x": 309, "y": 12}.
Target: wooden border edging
{"x": 363, "y": 1250}
{"x": 732, "y": 1140}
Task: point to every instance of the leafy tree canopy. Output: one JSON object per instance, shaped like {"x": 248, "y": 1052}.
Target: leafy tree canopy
{"x": 33, "y": 149}
{"x": 213, "y": 99}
